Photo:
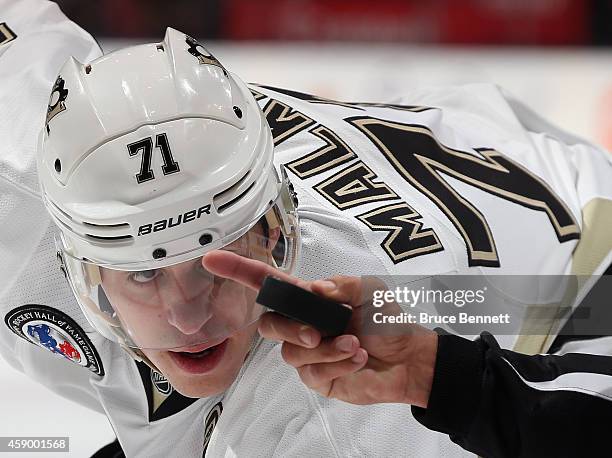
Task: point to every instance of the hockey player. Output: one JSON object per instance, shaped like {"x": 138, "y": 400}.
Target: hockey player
{"x": 152, "y": 156}
{"x": 264, "y": 410}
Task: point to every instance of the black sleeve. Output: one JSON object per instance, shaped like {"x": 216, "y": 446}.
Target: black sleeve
{"x": 499, "y": 403}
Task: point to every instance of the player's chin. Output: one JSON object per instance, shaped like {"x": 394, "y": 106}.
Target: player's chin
{"x": 208, "y": 372}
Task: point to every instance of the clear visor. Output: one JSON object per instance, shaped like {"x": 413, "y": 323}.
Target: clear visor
{"x": 180, "y": 306}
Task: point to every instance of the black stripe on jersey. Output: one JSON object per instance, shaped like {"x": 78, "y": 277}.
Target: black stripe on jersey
{"x": 6, "y": 34}
{"x": 406, "y": 237}
{"x": 418, "y": 157}
{"x": 173, "y": 404}
{"x": 335, "y": 152}
{"x": 285, "y": 121}
{"x": 354, "y": 185}
{"x": 353, "y": 105}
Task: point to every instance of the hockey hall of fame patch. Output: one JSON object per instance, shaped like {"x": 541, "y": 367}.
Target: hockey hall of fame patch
{"x": 52, "y": 329}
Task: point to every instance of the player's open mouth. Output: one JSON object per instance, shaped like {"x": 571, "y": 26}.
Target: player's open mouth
{"x": 199, "y": 359}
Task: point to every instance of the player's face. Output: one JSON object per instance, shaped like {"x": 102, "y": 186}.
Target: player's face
{"x": 206, "y": 373}
{"x": 205, "y": 324}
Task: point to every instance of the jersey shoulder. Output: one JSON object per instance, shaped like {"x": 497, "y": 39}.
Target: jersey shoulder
{"x": 36, "y": 303}
{"x": 38, "y": 308}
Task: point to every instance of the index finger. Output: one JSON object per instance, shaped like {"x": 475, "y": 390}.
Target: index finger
{"x": 248, "y": 272}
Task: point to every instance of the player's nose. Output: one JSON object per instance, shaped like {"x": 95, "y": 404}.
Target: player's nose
{"x": 189, "y": 317}
{"x": 187, "y": 299}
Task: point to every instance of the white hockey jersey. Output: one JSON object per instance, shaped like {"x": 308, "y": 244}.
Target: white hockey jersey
{"x": 459, "y": 180}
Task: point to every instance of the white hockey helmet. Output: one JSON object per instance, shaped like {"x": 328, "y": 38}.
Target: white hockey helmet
{"x": 150, "y": 157}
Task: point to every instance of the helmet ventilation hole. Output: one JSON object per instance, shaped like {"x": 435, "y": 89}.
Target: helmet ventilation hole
{"x": 160, "y": 48}
{"x": 238, "y": 112}
{"x": 88, "y": 69}
{"x": 205, "y": 239}
{"x": 58, "y": 166}
{"x": 159, "y": 253}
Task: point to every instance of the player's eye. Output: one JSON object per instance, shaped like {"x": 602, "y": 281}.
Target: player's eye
{"x": 144, "y": 276}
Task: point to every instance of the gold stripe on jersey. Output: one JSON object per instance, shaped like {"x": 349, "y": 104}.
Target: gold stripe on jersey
{"x": 591, "y": 251}
{"x": 596, "y": 242}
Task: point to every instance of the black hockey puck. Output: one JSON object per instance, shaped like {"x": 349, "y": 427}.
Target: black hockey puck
{"x": 328, "y": 317}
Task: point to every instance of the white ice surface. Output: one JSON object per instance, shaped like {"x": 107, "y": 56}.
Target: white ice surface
{"x": 28, "y": 409}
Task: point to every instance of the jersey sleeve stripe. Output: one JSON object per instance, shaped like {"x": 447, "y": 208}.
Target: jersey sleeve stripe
{"x": 594, "y": 384}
